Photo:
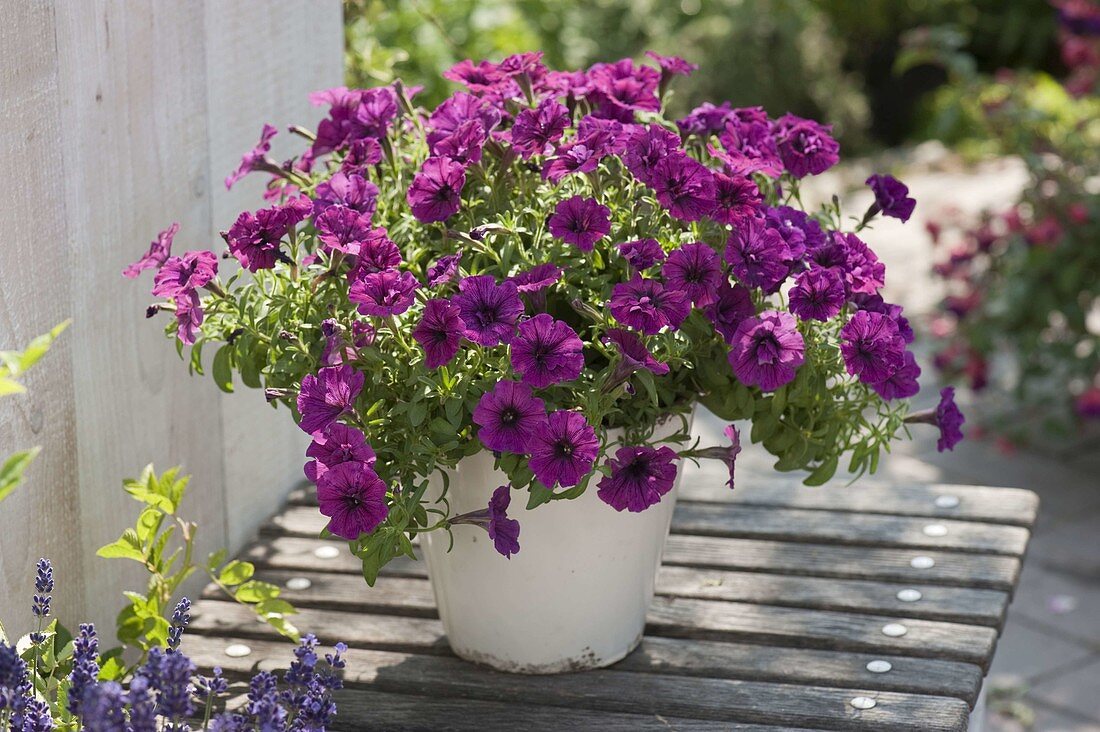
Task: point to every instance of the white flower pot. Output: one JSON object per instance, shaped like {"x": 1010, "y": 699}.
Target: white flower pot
{"x": 574, "y": 597}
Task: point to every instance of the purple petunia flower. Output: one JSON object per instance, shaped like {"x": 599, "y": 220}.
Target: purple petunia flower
{"x": 354, "y": 498}
{"x": 254, "y": 238}
{"x": 863, "y": 271}
{"x": 349, "y": 190}
{"x": 684, "y": 186}
{"x": 903, "y": 383}
{"x": 377, "y": 252}
{"x": 377, "y": 109}
{"x": 189, "y": 316}
{"x": 503, "y": 531}
{"x": 620, "y": 89}
{"x": 464, "y": 145}
{"x": 950, "y": 420}
{"x": 805, "y": 147}
{"x": 439, "y": 332}
{"x": 577, "y": 157}
{"x": 748, "y": 144}
{"x": 646, "y": 146}
{"x": 634, "y": 355}
{"x": 538, "y": 278}
{"x": 444, "y": 269}
{"x": 509, "y": 417}
{"x": 643, "y": 253}
{"x": 253, "y": 157}
{"x": 758, "y": 255}
{"x": 361, "y": 154}
{"x": 737, "y": 199}
{"x": 640, "y": 477}
{"x": 159, "y": 251}
{"x": 535, "y": 131}
{"x": 326, "y": 395}
{"x": 673, "y": 64}
{"x": 646, "y": 305}
{"x": 732, "y": 306}
{"x": 457, "y": 109}
{"x": 546, "y": 352}
{"x": 800, "y": 231}
{"x": 182, "y": 275}
{"x": 489, "y": 309}
{"x": 706, "y": 119}
{"x": 435, "y": 194}
{"x": 563, "y": 450}
{"x": 818, "y": 294}
{"x": 337, "y": 443}
{"x": 580, "y": 221}
{"x": 385, "y": 293}
{"x": 892, "y": 196}
{"x": 479, "y": 77}
{"x": 872, "y": 347}
{"x": 343, "y": 229}
{"x": 767, "y": 350}
{"x": 695, "y": 270}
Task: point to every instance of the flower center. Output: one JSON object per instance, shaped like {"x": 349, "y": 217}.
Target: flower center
{"x": 509, "y": 416}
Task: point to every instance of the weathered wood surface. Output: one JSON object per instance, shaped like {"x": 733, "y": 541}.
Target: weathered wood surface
{"x": 755, "y": 622}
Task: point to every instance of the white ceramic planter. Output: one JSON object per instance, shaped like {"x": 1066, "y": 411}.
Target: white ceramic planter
{"x": 574, "y": 597}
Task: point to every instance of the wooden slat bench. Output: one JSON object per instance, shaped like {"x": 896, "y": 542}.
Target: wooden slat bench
{"x": 871, "y": 608}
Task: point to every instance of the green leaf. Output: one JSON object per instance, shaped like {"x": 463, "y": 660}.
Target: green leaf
{"x": 823, "y": 473}
{"x": 284, "y": 627}
{"x": 215, "y": 560}
{"x": 16, "y": 363}
{"x": 256, "y": 591}
{"x": 222, "y": 369}
{"x": 10, "y": 386}
{"x": 112, "y": 669}
{"x": 236, "y": 572}
{"x": 128, "y": 546}
{"x": 540, "y": 494}
{"x": 380, "y": 547}
{"x": 11, "y": 472}
{"x": 275, "y": 606}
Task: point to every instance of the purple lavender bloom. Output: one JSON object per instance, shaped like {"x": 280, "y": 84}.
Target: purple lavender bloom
{"x": 892, "y": 196}
{"x": 338, "y": 443}
{"x": 767, "y": 350}
{"x": 85, "y": 667}
{"x": 488, "y": 308}
{"x": 872, "y": 347}
{"x": 538, "y": 278}
{"x": 444, "y": 269}
{"x": 509, "y": 416}
{"x": 646, "y": 146}
{"x": 439, "y": 332}
{"x": 159, "y": 251}
{"x": 635, "y": 355}
{"x": 805, "y": 147}
{"x": 546, "y": 352}
{"x": 208, "y": 688}
{"x": 36, "y": 717}
{"x": 180, "y": 275}
{"x": 503, "y": 531}
{"x": 640, "y": 477}
{"x": 189, "y": 317}
{"x": 464, "y": 145}
{"x": 903, "y": 383}
{"x": 684, "y": 186}
{"x": 950, "y": 420}
{"x": 737, "y": 199}
{"x": 646, "y": 305}
{"x": 731, "y": 307}
{"x": 253, "y": 157}
{"x": 580, "y": 221}
{"x": 818, "y": 294}
{"x": 758, "y": 255}
{"x": 326, "y": 395}
{"x": 695, "y": 270}
{"x": 385, "y": 293}
{"x": 343, "y": 229}
{"x": 354, "y": 498}
{"x": 642, "y": 253}
{"x": 435, "y": 194}
{"x": 170, "y": 675}
{"x": 349, "y": 190}
{"x": 536, "y": 130}
{"x": 103, "y": 707}
{"x": 181, "y": 618}
{"x": 563, "y": 450}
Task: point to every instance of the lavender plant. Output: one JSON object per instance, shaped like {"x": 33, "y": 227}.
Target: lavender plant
{"x": 537, "y": 263}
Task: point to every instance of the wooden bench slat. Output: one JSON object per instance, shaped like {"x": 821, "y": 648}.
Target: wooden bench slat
{"x": 655, "y": 655}
{"x": 619, "y": 692}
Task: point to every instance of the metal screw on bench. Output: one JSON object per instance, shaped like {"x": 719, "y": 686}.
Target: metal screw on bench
{"x": 326, "y": 552}
{"x": 909, "y": 595}
{"x": 894, "y": 630}
{"x": 922, "y": 562}
{"x": 299, "y": 583}
{"x": 237, "y": 650}
{"x": 863, "y": 702}
{"x": 879, "y": 666}
{"x": 947, "y": 501}
{"x": 935, "y": 530}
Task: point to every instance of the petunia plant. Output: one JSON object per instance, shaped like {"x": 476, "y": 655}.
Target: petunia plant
{"x": 544, "y": 267}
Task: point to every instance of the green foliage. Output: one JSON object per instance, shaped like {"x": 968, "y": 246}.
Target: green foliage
{"x": 163, "y": 543}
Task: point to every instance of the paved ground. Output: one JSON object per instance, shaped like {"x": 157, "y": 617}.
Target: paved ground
{"x": 1046, "y": 675}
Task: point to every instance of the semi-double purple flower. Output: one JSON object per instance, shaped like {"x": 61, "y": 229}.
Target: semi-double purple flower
{"x": 350, "y": 190}
{"x": 444, "y": 269}
{"x": 635, "y": 356}
{"x": 758, "y": 255}
{"x": 503, "y": 531}
{"x": 872, "y": 347}
{"x": 337, "y": 443}
{"x": 580, "y": 221}
{"x": 435, "y": 193}
{"x": 181, "y": 275}
{"x": 892, "y": 197}
{"x": 189, "y": 316}
{"x": 805, "y": 147}
{"x": 767, "y": 350}
{"x": 546, "y": 352}
{"x": 489, "y": 309}
{"x": 696, "y": 270}
{"x": 684, "y": 186}
{"x": 902, "y": 384}
{"x": 818, "y": 294}
{"x": 385, "y": 293}
{"x": 646, "y": 146}
{"x": 535, "y": 131}
{"x": 509, "y": 416}
{"x": 563, "y": 450}
{"x": 159, "y": 251}
{"x": 646, "y": 305}
{"x": 736, "y": 199}
{"x": 730, "y": 308}
{"x": 464, "y": 145}
{"x": 642, "y": 253}
{"x": 354, "y": 498}
{"x": 253, "y": 157}
{"x": 639, "y": 478}
{"x": 946, "y": 416}
{"x": 326, "y": 395}
{"x": 439, "y": 332}
{"x": 343, "y": 229}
